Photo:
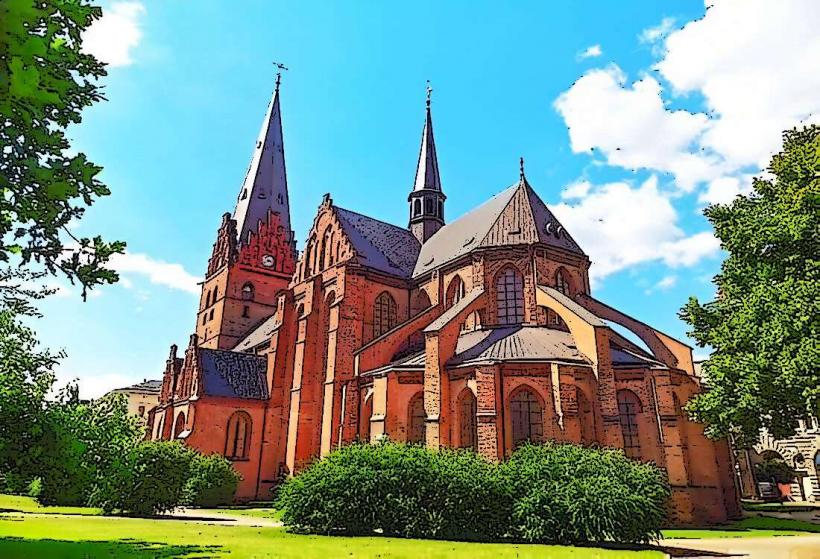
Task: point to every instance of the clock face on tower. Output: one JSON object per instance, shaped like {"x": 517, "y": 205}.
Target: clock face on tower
{"x": 268, "y": 261}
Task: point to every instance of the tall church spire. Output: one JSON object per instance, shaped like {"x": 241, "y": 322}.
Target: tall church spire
{"x": 427, "y": 199}
{"x": 266, "y": 185}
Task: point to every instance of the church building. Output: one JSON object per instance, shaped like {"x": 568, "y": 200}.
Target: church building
{"x": 479, "y": 332}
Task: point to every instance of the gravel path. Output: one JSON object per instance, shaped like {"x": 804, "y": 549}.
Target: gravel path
{"x": 781, "y": 547}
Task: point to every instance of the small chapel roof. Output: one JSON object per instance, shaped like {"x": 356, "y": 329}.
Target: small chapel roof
{"x": 380, "y": 245}
{"x": 231, "y": 374}
{"x": 515, "y": 216}
{"x": 515, "y": 343}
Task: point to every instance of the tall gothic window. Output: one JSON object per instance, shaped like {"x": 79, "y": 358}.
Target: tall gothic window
{"x": 415, "y": 419}
{"x": 509, "y": 296}
{"x": 466, "y": 420}
{"x": 248, "y": 292}
{"x": 455, "y": 291}
{"x": 561, "y": 282}
{"x": 237, "y": 436}
{"x": 527, "y": 417}
{"x": 179, "y": 425}
{"x": 384, "y": 314}
{"x": 629, "y": 409}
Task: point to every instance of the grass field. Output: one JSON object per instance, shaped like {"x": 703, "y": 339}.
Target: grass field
{"x": 28, "y": 530}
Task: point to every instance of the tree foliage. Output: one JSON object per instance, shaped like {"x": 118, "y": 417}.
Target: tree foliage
{"x": 25, "y": 379}
{"x": 763, "y": 324}
{"x": 46, "y": 80}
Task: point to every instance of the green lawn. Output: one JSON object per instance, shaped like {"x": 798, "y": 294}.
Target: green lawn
{"x": 31, "y": 535}
{"x": 28, "y": 530}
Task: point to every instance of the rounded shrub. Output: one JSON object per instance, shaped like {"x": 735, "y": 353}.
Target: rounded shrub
{"x": 398, "y": 489}
{"x": 568, "y": 494}
{"x": 212, "y": 481}
{"x": 150, "y": 480}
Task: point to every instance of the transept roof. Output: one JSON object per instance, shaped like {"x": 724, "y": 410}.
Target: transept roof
{"x": 380, "y": 245}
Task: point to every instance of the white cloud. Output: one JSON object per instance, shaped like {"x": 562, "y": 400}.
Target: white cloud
{"x": 112, "y": 37}
{"x": 620, "y": 226}
{"x": 664, "y": 284}
{"x": 755, "y": 63}
{"x": 94, "y": 385}
{"x": 590, "y": 52}
{"x": 723, "y": 190}
{"x": 158, "y": 272}
{"x": 654, "y": 34}
{"x": 750, "y": 61}
{"x": 632, "y": 128}
{"x": 576, "y": 190}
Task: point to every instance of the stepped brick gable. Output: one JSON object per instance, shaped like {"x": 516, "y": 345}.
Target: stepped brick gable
{"x": 480, "y": 333}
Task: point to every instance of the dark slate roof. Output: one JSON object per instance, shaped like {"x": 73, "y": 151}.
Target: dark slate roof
{"x": 146, "y": 386}
{"x": 379, "y": 245}
{"x": 258, "y": 335}
{"x": 516, "y": 343}
{"x": 232, "y": 374}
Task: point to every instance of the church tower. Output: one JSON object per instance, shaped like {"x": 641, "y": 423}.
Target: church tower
{"x": 254, "y": 255}
{"x": 427, "y": 199}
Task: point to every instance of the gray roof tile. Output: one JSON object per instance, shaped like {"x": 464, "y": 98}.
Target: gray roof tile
{"x": 232, "y": 374}
{"x": 379, "y": 245}
{"x": 516, "y": 343}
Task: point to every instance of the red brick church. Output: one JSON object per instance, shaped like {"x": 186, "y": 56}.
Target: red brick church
{"x": 480, "y": 332}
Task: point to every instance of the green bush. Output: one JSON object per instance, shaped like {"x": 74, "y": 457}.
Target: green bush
{"x": 212, "y": 481}
{"x": 150, "y": 481}
{"x": 568, "y": 494}
{"x": 548, "y": 493}
{"x": 402, "y": 490}
{"x": 775, "y": 470}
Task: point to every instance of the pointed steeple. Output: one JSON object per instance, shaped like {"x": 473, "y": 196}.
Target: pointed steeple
{"x": 266, "y": 184}
{"x": 427, "y": 199}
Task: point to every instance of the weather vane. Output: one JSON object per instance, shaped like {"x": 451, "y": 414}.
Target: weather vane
{"x": 429, "y": 92}
{"x": 279, "y": 67}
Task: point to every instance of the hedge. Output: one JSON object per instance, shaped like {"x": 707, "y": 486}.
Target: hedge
{"x": 558, "y": 493}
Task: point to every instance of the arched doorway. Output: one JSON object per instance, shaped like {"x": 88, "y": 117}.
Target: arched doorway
{"x": 179, "y": 425}
{"x": 467, "y": 433}
{"x": 415, "y": 419}
{"x": 527, "y": 417}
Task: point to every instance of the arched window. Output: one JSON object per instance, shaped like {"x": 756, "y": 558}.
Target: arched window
{"x": 420, "y": 301}
{"x": 466, "y": 420}
{"x": 214, "y": 294}
{"x": 179, "y": 425}
{"x": 248, "y": 292}
{"x": 208, "y": 300}
{"x": 509, "y": 296}
{"x": 527, "y": 417}
{"x": 586, "y": 417}
{"x": 384, "y": 314}
{"x": 561, "y": 282}
{"x": 238, "y": 436}
{"x": 416, "y": 207}
{"x": 629, "y": 410}
{"x": 309, "y": 260}
{"x": 428, "y": 206}
{"x": 441, "y": 209}
{"x": 415, "y": 419}
{"x": 455, "y": 291}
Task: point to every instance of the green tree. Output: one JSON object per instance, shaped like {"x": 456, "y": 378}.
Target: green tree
{"x": 83, "y": 444}
{"x": 763, "y": 323}
{"x": 25, "y": 380}
{"x": 45, "y": 83}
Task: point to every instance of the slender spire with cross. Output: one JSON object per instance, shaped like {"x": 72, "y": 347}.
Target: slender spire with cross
{"x": 265, "y": 187}
{"x": 521, "y": 168}
{"x": 426, "y": 199}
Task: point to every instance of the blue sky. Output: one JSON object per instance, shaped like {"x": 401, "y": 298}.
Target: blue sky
{"x": 628, "y": 123}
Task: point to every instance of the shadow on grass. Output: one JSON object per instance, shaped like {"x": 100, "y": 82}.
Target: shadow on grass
{"x": 11, "y": 547}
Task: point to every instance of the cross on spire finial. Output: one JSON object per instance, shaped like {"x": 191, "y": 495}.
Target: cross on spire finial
{"x": 429, "y": 93}
{"x": 279, "y": 67}
{"x": 521, "y": 164}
